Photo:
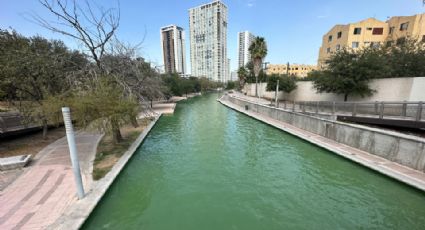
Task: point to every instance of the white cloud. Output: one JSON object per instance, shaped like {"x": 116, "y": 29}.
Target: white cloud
{"x": 322, "y": 16}
{"x": 250, "y": 3}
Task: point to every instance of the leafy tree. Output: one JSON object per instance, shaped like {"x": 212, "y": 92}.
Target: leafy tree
{"x": 405, "y": 59}
{"x": 35, "y": 70}
{"x": 286, "y": 83}
{"x": 242, "y": 74}
{"x": 231, "y": 85}
{"x": 258, "y": 51}
{"x": 104, "y": 107}
{"x": 349, "y": 72}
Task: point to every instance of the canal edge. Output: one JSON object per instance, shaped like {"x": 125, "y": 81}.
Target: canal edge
{"x": 78, "y": 214}
{"x": 401, "y": 174}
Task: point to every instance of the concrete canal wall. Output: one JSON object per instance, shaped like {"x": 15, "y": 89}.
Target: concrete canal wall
{"x": 404, "y": 149}
{"x": 78, "y": 214}
{"x": 387, "y": 89}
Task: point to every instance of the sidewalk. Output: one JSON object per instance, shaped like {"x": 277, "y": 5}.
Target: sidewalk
{"x": 46, "y": 189}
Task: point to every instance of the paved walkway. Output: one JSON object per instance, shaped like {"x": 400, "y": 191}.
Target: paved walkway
{"x": 46, "y": 189}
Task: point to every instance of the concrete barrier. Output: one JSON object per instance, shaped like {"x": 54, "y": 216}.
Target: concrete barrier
{"x": 404, "y": 149}
{"x": 387, "y": 89}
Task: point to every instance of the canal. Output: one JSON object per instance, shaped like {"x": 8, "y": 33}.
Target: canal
{"x": 209, "y": 167}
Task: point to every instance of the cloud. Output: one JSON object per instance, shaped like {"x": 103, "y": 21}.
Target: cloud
{"x": 322, "y": 16}
{"x": 250, "y": 3}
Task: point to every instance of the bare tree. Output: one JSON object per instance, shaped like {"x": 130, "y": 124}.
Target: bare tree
{"x": 94, "y": 27}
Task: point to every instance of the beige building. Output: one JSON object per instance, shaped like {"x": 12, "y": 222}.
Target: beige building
{"x": 406, "y": 26}
{"x": 298, "y": 70}
{"x": 371, "y": 32}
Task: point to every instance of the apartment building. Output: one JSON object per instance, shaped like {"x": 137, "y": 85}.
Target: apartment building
{"x": 245, "y": 39}
{"x": 299, "y": 70}
{"x": 173, "y": 49}
{"x": 208, "y": 41}
{"x": 402, "y": 27}
{"x": 371, "y": 32}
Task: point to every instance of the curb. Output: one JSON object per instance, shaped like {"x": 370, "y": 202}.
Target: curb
{"x": 77, "y": 215}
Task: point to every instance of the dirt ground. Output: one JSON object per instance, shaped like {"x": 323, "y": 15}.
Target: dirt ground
{"x": 30, "y": 143}
{"x": 109, "y": 153}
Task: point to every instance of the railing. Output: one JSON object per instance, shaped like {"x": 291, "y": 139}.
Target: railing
{"x": 395, "y": 110}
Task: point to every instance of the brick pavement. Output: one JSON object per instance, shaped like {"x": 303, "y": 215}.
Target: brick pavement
{"x": 46, "y": 189}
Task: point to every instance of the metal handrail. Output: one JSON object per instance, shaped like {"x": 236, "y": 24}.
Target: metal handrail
{"x": 410, "y": 110}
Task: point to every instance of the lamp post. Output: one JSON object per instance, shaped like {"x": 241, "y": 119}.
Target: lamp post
{"x": 73, "y": 151}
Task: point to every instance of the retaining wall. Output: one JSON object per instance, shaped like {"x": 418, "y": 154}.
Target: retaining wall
{"x": 404, "y": 149}
{"x": 387, "y": 89}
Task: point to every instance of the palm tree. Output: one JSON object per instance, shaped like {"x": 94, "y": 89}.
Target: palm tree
{"x": 242, "y": 73}
{"x": 258, "y": 51}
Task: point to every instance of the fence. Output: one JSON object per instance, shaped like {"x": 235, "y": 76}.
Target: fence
{"x": 399, "y": 110}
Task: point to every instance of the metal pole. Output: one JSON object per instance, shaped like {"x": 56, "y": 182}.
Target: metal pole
{"x": 277, "y": 90}
{"x": 317, "y": 107}
{"x": 419, "y": 111}
{"x": 73, "y": 151}
{"x": 381, "y": 111}
{"x": 404, "y": 110}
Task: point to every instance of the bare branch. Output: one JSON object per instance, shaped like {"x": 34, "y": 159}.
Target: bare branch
{"x": 93, "y": 29}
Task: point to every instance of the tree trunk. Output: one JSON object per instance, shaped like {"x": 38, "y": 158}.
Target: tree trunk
{"x": 256, "y": 86}
{"x": 134, "y": 122}
{"x": 45, "y": 127}
{"x": 152, "y": 103}
{"x": 346, "y": 97}
{"x": 116, "y": 132}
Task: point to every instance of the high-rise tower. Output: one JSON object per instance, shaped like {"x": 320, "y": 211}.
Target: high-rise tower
{"x": 173, "y": 49}
{"x": 208, "y": 41}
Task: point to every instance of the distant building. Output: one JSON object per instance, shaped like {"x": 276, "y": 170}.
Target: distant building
{"x": 245, "y": 39}
{"x": 228, "y": 70}
{"x": 234, "y": 76}
{"x": 208, "y": 41}
{"x": 298, "y": 70}
{"x": 173, "y": 49}
{"x": 371, "y": 32}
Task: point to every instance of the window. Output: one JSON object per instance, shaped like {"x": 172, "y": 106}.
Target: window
{"x": 338, "y": 47}
{"x": 378, "y": 31}
{"x": 423, "y": 38}
{"x": 391, "y": 30}
{"x": 404, "y": 26}
{"x": 375, "y": 44}
{"x": 357, "y": 30}
{"x": 328, "y": 50}
{"x": 368, "y": 28}
{"x": 355, "y": 45}
{"x": 330, "y": 38}
{"x": 339, "y": 34}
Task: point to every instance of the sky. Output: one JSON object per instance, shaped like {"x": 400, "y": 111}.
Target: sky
{"x": 293, "y": 29}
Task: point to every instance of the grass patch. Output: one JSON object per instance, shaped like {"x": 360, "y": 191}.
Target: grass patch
{"x": 108, "y": 153}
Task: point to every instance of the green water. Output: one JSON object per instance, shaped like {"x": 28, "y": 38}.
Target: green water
{"x": 209, "y": 167}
